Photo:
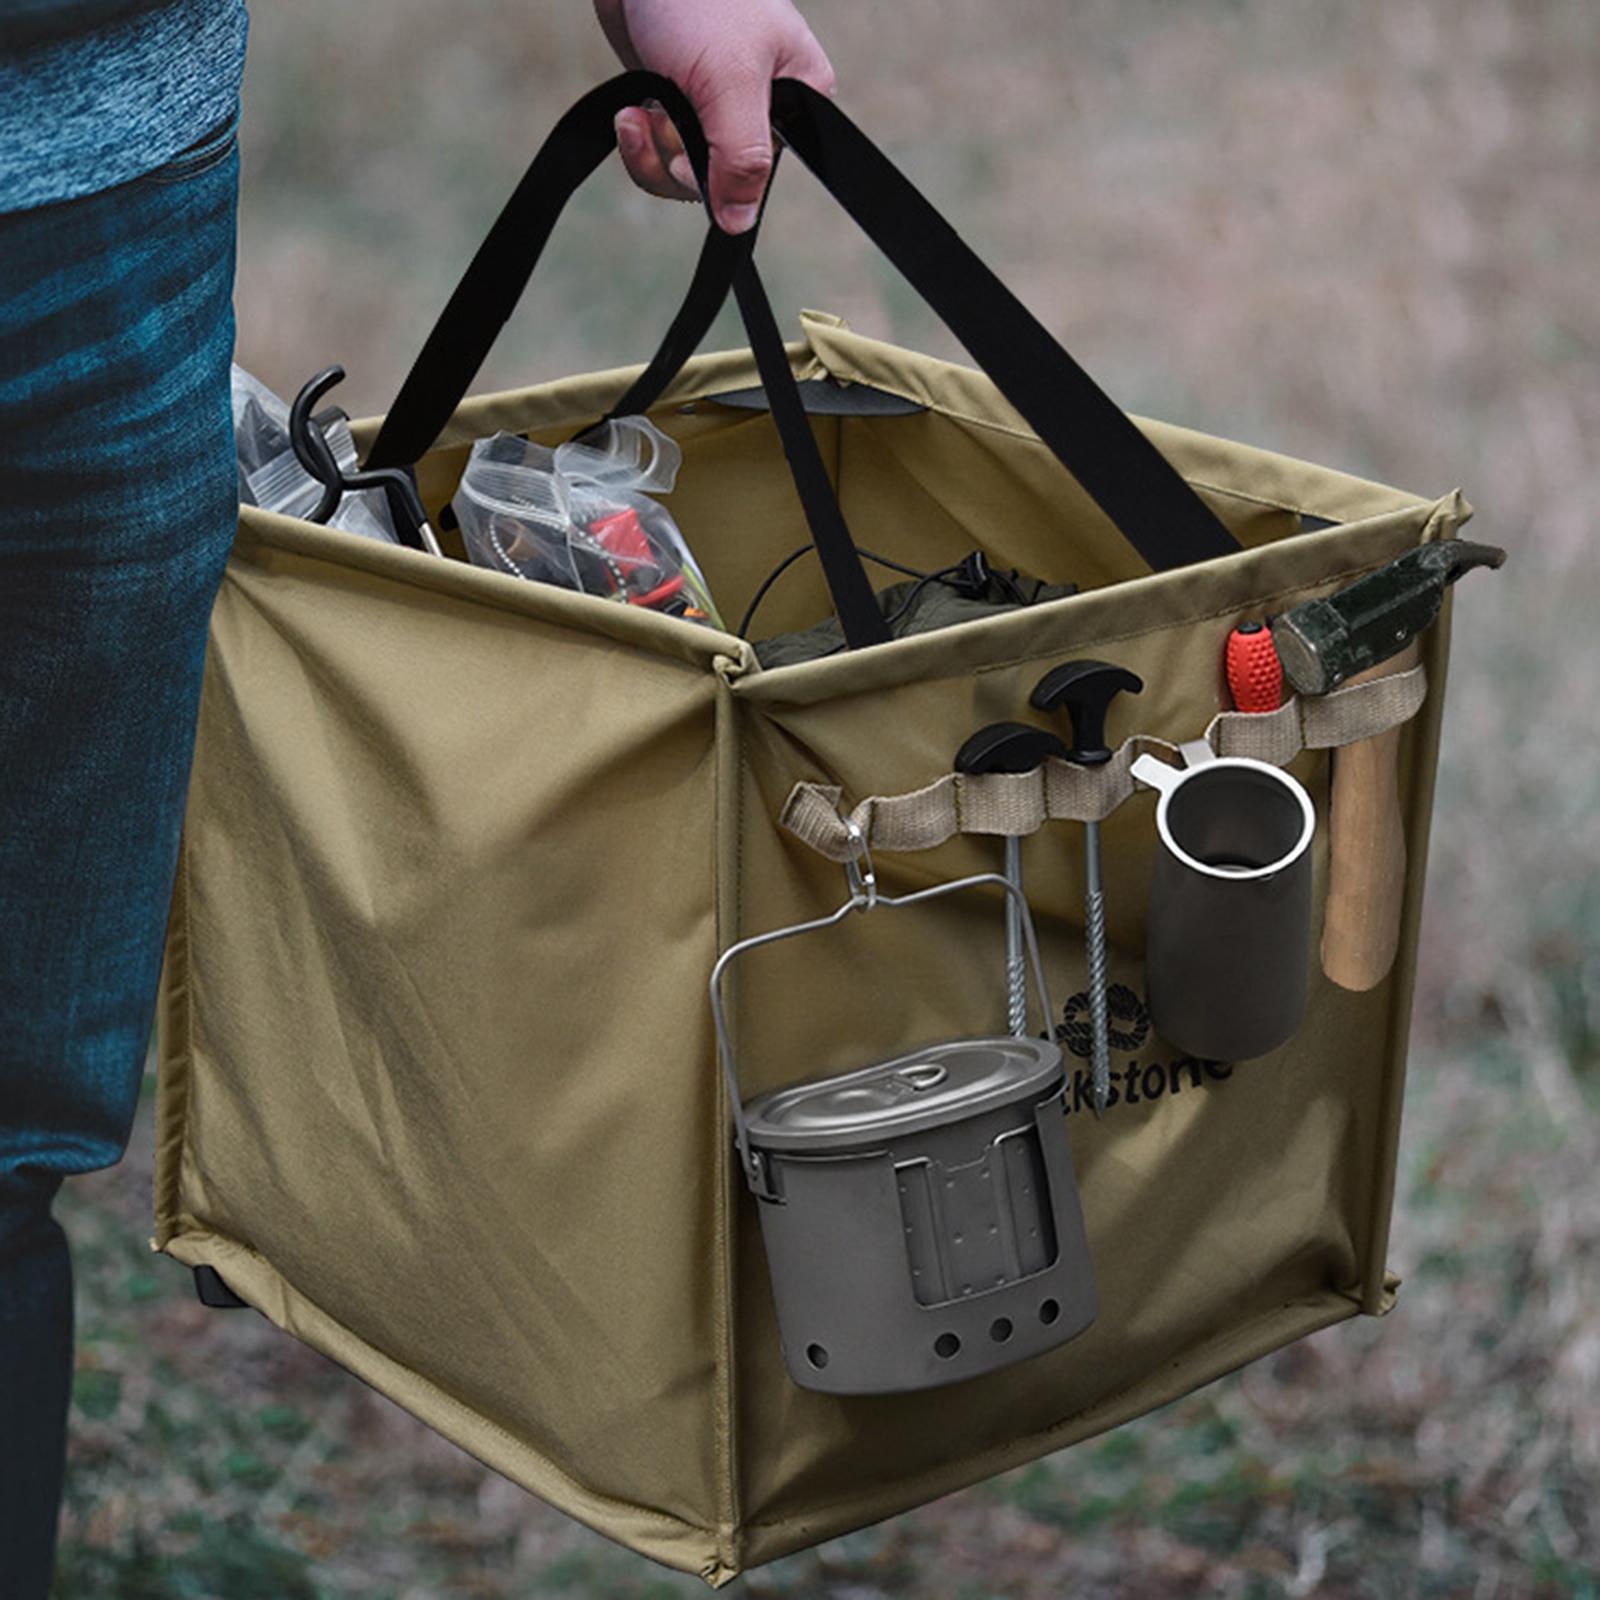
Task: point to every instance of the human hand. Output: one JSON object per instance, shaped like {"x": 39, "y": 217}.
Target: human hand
{"x": 724, "y": 55}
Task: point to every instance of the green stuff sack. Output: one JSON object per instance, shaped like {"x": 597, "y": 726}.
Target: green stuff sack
{"x": 439, "y": 1090}
{"x": 920, "y": 606}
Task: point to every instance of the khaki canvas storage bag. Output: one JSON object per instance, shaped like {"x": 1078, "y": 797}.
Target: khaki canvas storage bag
{"x": 440, "y": 1092}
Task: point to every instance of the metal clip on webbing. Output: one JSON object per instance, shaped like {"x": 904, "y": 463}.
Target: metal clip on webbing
{"x": 862, "y": 877}
{"x": 859, "y": 871}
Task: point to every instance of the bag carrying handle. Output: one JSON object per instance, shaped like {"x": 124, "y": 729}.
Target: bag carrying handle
{"x": 1131, "y": 481}
{"x": 493, "y": 283}
{"x": 488, "y": 293}
{"x": 1087, "y": 432}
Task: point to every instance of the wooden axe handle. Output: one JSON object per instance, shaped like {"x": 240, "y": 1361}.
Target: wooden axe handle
{"x": 1366, "y": 852}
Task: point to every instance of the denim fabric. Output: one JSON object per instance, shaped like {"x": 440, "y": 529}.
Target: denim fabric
{"x": 117, "y": 505}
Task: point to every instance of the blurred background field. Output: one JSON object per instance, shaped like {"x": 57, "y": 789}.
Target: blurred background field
{"x": 1365, "y": 233}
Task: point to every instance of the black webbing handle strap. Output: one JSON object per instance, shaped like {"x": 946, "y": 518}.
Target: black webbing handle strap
{"x": 707, "y": 292}
{"x": 1137, "y": 488}
{"x": 488, "y": 292}
{"x": 1131, "y": 481}
{"x": 1127, "y": 477}
{"x": 859, "y": 617}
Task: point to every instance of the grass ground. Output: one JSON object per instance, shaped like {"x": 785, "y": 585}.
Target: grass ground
{"x": 1363, "y": 233}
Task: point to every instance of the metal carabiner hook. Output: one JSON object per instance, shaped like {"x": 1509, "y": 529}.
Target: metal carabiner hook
{"x": 858, "y": 869}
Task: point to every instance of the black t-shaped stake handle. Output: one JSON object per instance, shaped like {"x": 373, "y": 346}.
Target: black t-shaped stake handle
{"x": 1007, "y": 747}
{"x": 1085, "y": 689}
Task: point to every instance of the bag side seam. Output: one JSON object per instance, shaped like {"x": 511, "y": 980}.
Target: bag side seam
{"x": 1426, "y": 727}
{"x": 725, "y": 815}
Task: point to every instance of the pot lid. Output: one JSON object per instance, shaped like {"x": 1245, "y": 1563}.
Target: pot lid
{"x": 927, "y": 1088}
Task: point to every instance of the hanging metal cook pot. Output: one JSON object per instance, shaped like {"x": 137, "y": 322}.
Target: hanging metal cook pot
{"x": 920, "y": 1215}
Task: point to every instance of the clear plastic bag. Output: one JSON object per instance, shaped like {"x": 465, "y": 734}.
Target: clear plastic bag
{"x": 580, "y": 516}
{"x": 270, "y": 474}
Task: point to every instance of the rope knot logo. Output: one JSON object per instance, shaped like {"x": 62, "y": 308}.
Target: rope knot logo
{"x": 1134, "y": 1080}
{"x": 1130, "y": 1022}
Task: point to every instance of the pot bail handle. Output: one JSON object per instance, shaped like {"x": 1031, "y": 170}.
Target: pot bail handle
{"x": 864, "y": 896}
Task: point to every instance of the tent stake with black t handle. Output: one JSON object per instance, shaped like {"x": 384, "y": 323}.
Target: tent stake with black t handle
{"x": 1086, "y": 689}
{"x": 1011, "y": 747}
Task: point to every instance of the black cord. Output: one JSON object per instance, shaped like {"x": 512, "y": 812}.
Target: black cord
{"x": 916, "y": 589}
{"x": 905, "y": 605}
{"x": 743, "y": 630}
{"x": 894, "y": 566}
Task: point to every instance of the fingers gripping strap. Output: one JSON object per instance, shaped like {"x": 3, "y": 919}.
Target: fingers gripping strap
{"x": 1016, "y": 804}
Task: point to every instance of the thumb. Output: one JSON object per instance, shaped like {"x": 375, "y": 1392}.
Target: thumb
{"x": 736, "y": 112}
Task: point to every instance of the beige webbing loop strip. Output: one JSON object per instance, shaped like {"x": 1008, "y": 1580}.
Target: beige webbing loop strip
{"x": 1021, "y": 803}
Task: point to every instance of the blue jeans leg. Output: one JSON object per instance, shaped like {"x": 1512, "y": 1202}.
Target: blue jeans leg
{"x": 117, "y": 506}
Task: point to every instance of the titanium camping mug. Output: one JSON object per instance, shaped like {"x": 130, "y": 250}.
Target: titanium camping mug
{"x": 1228, "y": 937}
{"x": 921, "y": 1215}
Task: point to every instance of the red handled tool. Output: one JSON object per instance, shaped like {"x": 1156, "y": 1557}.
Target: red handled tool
{"x": 1255, "y": 675}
